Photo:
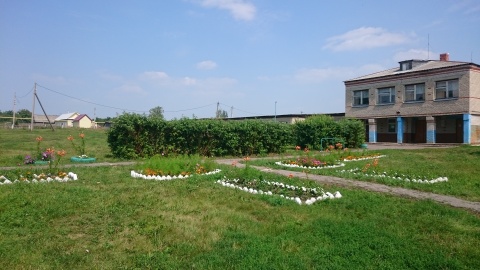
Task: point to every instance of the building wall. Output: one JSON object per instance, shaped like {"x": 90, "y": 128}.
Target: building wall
{"x": 467, "y": 80}
{"x": 475, "y": 92}
{"x": 475, "y": 124}
{"x": 85, "y": 122}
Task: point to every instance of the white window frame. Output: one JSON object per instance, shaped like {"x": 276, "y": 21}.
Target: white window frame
{"x": 362, "y": 98}
{"x": 446, "y": 89}
{"x": 417, "y": 92}
{"x": 382, "y": 93}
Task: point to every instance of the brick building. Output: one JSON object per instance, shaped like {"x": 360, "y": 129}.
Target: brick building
{"x": 421, "y": 101}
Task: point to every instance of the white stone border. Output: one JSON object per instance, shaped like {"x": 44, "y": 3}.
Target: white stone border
{"x": 168, "y": 177}
{"x": 309, "y": 168}
{"x": 37, "y": 179}
{"x": 321, "y": 195}
{"x": 364, "y": 158}
{"x": 357, "y": 171}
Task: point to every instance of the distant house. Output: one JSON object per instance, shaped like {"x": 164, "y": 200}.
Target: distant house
{"x": 82, "y": 121}
{"x": 66, "y": 119}
{"x": 42, "y": 120}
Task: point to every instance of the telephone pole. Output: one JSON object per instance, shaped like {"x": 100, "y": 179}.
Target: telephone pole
{"x": 14, "y": 103}
{"x": 33, "y": 105}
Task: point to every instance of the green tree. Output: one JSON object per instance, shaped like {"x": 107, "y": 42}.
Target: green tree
{"x": 222, "y": 114}
{"x": 156, "y": 112}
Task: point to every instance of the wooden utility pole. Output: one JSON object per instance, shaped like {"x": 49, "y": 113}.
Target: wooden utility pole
{"x": 14, "y": 103}
{"x": 33, "y": 105}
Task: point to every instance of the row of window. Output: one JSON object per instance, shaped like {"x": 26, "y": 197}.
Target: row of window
{"x": 413, "y": 93}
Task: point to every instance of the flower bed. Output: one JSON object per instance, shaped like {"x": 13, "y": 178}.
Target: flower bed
{"x": 167, "y": 177}
{"x": 295, "y": 165}
{"x": 41, "y": 178}
{"x": 394, "y": 176}
{"x": 300, "y": 195}
{"x": 354, "y": 158}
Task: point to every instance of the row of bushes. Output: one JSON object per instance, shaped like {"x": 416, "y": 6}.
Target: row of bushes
{"x": 134, "y": 135}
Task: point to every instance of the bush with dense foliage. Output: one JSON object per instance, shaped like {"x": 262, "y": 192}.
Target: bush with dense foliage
{"x": 309, "y": 133}
{"x": 135, "y": 135}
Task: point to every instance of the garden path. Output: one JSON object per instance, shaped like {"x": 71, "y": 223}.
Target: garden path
{"x": 452, "y": 201}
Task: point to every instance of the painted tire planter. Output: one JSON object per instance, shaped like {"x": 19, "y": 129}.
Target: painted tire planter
{"x": 83, "y": 159}
{"x": 41, "y": 162}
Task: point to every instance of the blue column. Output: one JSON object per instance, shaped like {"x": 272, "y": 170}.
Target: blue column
{"x": 431, "y": 129}
{"x": 399, "y": 129}
{"x": 467, "y": 128}
{"x": 372, "y": 130}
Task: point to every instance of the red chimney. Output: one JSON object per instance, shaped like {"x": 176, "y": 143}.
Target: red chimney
{"x": 444, "y": 57}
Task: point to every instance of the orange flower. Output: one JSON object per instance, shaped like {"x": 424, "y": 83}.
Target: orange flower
{"x": 39, "y": 139}
{"x": 246, "y": 158}
{"x": 306, "y": 150}
{"x": 61, "y": 153}
{"x": 70, "y": 138}
{"x": 290, "y": 176}
{"x": 82, "y": 135}
{"x": 297, "y": 147}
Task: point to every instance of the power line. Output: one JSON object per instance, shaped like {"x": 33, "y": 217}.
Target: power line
{"x": 196, "y": 108}
{"x": 236, "y": 108}
{"x": 94, "y": 103}
{"x": 26, "y": 93}
{"x": 117, "y": 108}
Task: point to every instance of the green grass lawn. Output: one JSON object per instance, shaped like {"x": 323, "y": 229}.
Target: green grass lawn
{"x": 16, "y": 144}
{"x": 460, "y": 164}
{"x": 109, "y": 220}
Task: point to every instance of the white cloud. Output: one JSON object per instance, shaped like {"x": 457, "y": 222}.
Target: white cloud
{"x": 206, "y": 65}
{"x": 189, "y": 81}
{"x": 40, "y": 78}
{"x": 365, "y": 38}
{"x": 317, "y": 75}
{"x": 154, "y": 75}
{"x": 240, "y": 9}
{"x": 109, "y": 76}
{"x": 415, "y": 54}
{"x": 131, "y": 89}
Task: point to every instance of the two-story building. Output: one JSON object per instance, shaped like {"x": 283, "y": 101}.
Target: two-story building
{"x": 420, "y": 101}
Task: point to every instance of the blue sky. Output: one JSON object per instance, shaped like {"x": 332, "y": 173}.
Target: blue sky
{"x": 253, "y": 57}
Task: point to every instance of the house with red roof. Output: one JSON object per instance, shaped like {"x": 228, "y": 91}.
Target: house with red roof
{"x": 82, "y": 121}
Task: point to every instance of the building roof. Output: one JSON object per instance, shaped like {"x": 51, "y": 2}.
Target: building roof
{"x": 40, "y": 118}
{"x": 420, "y": 65}
{"x": 66, "y": 116}
{"x": 79, "y": 117}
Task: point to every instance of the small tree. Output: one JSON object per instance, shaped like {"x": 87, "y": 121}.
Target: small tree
{"x": 156, "y": 112}
{"x": 222, "y": 114}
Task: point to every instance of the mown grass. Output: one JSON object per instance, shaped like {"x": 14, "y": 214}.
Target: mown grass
{"x": 460, "y": 164}
{"x": 16, "y": 144}
{"x": 108, "y": 220}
